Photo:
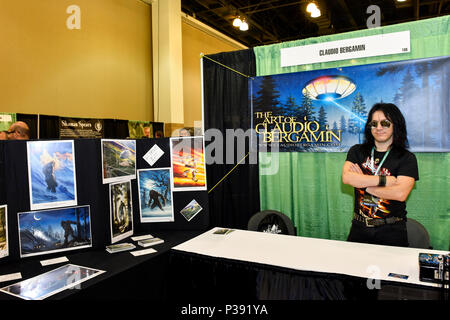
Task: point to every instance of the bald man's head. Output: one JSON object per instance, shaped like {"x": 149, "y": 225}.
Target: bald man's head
{"x": 19, "y": 131}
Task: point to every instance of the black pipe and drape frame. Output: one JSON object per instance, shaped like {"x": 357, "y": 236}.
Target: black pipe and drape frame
{"x": 226, "y": 106}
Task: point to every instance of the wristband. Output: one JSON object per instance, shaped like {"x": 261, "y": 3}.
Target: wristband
{"x": 382, "y": 181}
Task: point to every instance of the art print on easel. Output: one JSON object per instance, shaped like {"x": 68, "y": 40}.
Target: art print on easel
{"x": 155, "y": 195}
{"x": 4, "y": 248}
{"x": 51, "y": 174}
{"x": 121, "y": 215}
{"x": 118, "y": 160}
{"x": 188, "y": 163}
{"x": 50, "y": 231}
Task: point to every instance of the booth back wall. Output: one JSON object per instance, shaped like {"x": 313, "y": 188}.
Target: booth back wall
{"x": 308, "y": 187}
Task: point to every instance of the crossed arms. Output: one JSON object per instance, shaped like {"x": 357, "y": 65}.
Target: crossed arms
{"x": 397, "y": 188}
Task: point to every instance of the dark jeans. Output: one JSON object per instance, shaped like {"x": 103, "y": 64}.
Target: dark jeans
{"x": 389, "y": 234}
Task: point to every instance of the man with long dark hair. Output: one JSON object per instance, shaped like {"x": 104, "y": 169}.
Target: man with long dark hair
{"x": 383, "y": 173}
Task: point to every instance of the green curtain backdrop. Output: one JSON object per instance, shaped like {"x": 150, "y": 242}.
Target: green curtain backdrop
{"x": 307, "y": 186}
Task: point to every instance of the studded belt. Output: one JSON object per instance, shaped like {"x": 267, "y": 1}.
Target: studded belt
{"x": 376, "y": 222}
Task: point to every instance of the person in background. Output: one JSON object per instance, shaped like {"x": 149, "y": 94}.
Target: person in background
{"x": 147, "y": 132}
{"x": 383, "y": 173}
{"x": 18, "y": 131}
{"x": 184, "y": 132}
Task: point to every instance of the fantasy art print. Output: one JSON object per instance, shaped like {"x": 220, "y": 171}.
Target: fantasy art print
{"x": 188, "y": 164}
{"x": 51, "y": 174}
{"x": 121, "y": 210}
{"x": 50, "y": 231}
{"x": 155, "y": 195}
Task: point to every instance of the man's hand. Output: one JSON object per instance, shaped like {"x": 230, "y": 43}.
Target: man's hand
{"x": 355, "y": 168}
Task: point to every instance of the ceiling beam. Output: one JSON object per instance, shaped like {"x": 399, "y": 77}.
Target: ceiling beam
{"x": 416, "y": 9}
{"x": 252, "y": 23}
{"x": 440, "y": 7}
{"x": 271, "y": 7}
{"x": 349, "y": 15}
{"x": 205, "y": 14}
{"x": 213, "y": 22}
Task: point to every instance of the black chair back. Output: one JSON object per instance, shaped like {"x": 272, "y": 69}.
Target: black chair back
{"x": 418, "y": 236}
{"x": 271, "y": 221}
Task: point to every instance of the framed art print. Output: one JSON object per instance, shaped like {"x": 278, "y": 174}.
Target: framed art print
{"x": 52, "y": 282}
{"x": 51, "y": 174}
{"x": 121, "y": 210}
{"x": 55, "y": 230}
{"x": 191, "y": 210}
{"x": 155, "y": 195}
{"x": 118, "y": 160}
{"x": 188, "y": 163}
{"x": 4, "y": 248}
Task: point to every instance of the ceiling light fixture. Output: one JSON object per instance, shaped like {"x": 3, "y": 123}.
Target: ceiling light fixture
{"x": 237, "y": 22}
{"x": 243, "y": 26}
{"x": 315, "y": 13}
{"x": 313, "y": 9}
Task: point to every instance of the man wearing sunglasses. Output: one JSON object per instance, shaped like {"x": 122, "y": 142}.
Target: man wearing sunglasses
{"x": 383, "y": 173}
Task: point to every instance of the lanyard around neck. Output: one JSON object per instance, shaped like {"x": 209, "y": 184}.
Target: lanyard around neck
{"x": 382, "y": 160}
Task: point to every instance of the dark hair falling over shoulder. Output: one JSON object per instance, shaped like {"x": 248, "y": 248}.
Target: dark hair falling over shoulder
{"x": 393, "y": 114}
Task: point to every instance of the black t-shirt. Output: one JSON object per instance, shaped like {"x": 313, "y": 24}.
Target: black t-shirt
{"x": 397, "y": 163}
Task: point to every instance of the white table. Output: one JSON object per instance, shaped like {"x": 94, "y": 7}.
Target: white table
{"x": 311, "y": 254}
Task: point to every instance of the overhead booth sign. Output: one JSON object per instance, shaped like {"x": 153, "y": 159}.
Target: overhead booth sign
{"x": 363, "y": 47}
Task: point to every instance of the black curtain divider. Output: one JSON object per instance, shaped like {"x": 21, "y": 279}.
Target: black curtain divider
{"x": 31, "y": 120}
{"x": 116, "y": 129}
{"x": 226, "y": 106}
{"x": 48, "y": 127}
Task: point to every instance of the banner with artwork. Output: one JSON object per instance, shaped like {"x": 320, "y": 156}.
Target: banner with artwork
{"x": 6, "y": 120}
{"x": 326, "y": 110}
{"x": 140, "y": 129}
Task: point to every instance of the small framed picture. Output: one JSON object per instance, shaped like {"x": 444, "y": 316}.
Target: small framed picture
{"x": 191, "y": 210}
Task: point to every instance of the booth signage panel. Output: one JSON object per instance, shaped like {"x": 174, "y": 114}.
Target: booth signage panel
{"x": 81, "y": 128}
{"x": 378, "y": 45}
